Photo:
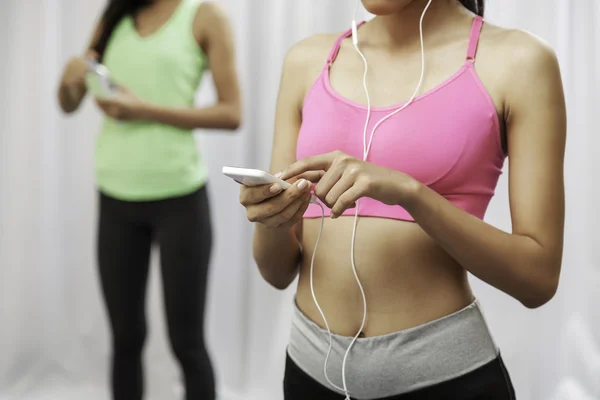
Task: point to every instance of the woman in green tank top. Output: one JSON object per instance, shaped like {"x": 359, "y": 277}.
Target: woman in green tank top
{"x": 151, "y": 179}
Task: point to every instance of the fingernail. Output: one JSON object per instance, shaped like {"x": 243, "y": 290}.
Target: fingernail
{"x": 279, "y": 175}
{"x": 275, "y": 189}
{"x": 303, "y": 184}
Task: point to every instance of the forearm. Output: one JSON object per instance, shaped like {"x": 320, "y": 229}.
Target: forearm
{"x": 515, "y": 264}
{"x": 70, "y": 96}
{"x": 277, "y": 254}
{"x": 220, "y": 116}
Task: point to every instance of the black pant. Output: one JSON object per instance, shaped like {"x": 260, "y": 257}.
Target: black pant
{"x": 490, "y": 382}
{"x": 181, "y": 228}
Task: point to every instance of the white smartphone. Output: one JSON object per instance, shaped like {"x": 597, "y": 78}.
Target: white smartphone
{"x": 253, "y": 177}
{"x": 98, "y": 81}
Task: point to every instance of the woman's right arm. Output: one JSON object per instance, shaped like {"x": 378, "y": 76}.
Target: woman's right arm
{"x": 72, "y": 90}
{"x": 277, "y": 250}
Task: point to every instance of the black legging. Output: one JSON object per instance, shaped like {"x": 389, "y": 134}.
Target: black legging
{"x": 489, "y": 382}
{"x": 181, "y": 228}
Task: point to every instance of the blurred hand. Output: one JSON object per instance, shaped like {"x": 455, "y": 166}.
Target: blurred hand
{"x": 123, "y": 106}
{"x": 273, "y": 207}
{"x": 74, "y": 73}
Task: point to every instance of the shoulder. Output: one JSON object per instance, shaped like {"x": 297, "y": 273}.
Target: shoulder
{"x": 211, "y": 20}
{"x": 310, "y": 51}
{"x": 525, "y": 56}
{"x": 210, "y": 15}
{"x": 208, "y": 10}
{"x": 307, "y": 58}
{"x": 303, "y": 63}
{"x": 519, "y": 67}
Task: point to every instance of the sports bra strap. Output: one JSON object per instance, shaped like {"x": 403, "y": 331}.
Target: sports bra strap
{"x": 474, "y": 39}
{"x": 338, "y": 44}
{"x": 471, "y": 51}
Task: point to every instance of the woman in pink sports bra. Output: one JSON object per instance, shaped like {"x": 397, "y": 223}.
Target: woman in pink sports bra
{"x": 420, "y": 195}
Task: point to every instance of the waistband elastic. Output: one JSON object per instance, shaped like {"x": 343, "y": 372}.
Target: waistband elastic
{"x": 399, "y": 362}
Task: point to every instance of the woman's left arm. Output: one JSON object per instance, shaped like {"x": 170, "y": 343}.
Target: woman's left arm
{"x": 525, "y": 264}
{"x": 215, "y": 36}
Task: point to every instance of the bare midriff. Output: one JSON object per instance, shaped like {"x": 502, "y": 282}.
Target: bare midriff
{"x": 408, "y": 279}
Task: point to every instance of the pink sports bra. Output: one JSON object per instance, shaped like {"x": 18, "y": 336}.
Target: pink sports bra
{"x": 448, "y": 138}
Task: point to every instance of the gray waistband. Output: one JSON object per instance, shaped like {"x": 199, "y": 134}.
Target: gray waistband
{"x": 399, "y": 362}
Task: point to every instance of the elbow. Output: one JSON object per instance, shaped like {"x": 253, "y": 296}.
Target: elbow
{"x": 234, "y": 124}
{"x": 277, "y": 261}
{"x": 233, "y": 120}
{"x": 532, "y": 301}
{"x": 64, "y": 106}
{"x": 540, "y": 292}
{"x": 279, "y": 285}
{"x": 273, "y": 276}
{"x": 278, "y": 282}
{"x": 67, "y": 107}
{"x": 276, "y": 276}
{"x": 67, "y": 110}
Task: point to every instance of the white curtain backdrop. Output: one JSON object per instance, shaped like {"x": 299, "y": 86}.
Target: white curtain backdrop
{"x": 53, "y": 331}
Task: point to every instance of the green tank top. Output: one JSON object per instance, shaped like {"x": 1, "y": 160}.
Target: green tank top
{"x": 143, "y": 161}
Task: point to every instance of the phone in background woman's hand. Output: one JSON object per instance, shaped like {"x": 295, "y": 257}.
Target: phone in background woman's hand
{"x": 98, "y": 80}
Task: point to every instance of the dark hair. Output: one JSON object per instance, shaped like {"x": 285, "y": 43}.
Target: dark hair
{"x": 115, "y": 11}
{"x": 475, "y": 6}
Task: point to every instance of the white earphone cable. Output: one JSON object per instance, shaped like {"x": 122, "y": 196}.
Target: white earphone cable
{"x": 312, "y": 289}
{"x": 366, "y": 149}
{"x": 414, "y": 95}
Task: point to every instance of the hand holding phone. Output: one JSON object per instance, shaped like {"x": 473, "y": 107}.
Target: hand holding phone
{"x": 269, "y": 200}
{"x": 98, "y": 80}
{"x": 253, "y": 177}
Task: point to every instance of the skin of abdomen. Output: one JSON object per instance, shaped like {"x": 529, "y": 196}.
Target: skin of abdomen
{"x": 407, "y": 278}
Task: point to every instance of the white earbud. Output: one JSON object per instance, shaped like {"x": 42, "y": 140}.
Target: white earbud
{"x": 366, "y": 149}
{"x": 354, "y": 33}
{"x": 354, "y": 25}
